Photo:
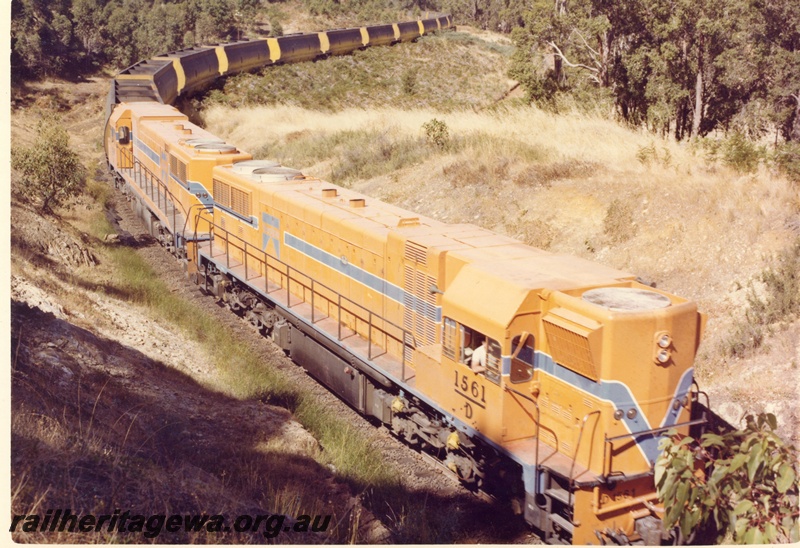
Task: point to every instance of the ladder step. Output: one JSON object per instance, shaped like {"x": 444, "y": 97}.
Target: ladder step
{"x": 559, "y": 494}
{"x": 562, "y": 522}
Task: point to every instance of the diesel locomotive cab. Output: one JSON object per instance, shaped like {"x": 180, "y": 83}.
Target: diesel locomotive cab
{"x": 575, "y": 375}
{"x": 613, "y": 373}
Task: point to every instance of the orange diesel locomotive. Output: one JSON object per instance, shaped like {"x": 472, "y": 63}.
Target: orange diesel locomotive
{"x": 546, "y": 378}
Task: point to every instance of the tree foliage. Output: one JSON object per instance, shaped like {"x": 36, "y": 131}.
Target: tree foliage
{"x": 66, "y": 38}
{"x": 736, "y": 487}
{"x": 685, "y": 67}
{"x": 51, "y": 171}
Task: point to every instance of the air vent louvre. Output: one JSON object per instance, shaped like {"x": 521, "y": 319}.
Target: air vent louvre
{"x": 240, "y": 202}
{"x": 416, "y": 253}
{"x": 574, "y": 340}
{"x": 419, "y": 305}
{"x": 570, "y": 349}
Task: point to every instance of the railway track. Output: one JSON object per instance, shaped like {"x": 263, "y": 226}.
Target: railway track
{"x": 419, "y": 472}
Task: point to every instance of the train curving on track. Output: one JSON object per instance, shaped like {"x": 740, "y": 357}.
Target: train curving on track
{"x": 544, "y": 378}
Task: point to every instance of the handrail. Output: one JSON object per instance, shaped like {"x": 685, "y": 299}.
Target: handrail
{"x": 608, "y": 441}
{"x": 135, "y": 176}
{"x": 575, "y": 456}
{"x": 536, "y": 436}
{"x": 186, "y": 221}
{"x": 285, "y": 270}
{"x": 655, "y": 430}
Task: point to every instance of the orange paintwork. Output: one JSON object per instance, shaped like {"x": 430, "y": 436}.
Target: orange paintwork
{"x": 590, "y": 359}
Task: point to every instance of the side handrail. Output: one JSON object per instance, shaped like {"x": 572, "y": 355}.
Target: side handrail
{"x": 577, "y": 448}
{"x": 135, "y": 175}
{"x": 607, "y": 442}
{"x": 536, "y": 435}
{"x": 285, "y": 271}
{"x": 201, "y": 207}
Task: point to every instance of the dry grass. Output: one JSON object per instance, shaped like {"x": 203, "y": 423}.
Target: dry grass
{"x": 576, "y": 184}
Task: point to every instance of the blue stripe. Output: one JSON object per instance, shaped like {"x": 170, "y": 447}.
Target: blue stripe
{"x": 621, "y": 396}
{"x": 198, "y": 190}
{"x": 376, "y": 283}
{"x": 253, "y": 221}
{"x": 270, "y": 220}
{"x": 149, "y": 152}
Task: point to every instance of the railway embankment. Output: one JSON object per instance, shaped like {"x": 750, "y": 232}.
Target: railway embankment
{"x": 133, "y": 390}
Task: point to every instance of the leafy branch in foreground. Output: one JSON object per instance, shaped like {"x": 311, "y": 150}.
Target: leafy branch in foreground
{"x": 738, "y": 487}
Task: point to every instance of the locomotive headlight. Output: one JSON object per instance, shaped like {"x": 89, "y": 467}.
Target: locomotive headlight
{"x": 662, "y": 356}
{"x": 664, "y": 340}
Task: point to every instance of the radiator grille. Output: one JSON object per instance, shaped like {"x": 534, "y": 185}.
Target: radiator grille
{"x": 240, "y": 202}
{"x": 419, "y": 314}
{"x": 231, "y": 197}
{"x": 570, "y": 344}
{"x": 177, "y": 168}
{"x": 222, "y": 193}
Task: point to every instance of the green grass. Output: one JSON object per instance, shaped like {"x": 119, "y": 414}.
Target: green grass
{"x": 446, "y": 72}
{"x": 245, "y": 375}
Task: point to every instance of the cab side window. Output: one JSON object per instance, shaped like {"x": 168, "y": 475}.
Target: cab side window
{"x": 522, "y": 358}
{"x": 471, "y": 348}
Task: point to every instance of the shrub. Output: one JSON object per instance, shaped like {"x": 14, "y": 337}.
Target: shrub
{"x": 738, "y": 486}
{"x": 437, "y": 133}
{"x": 782, "y": 283}
{"x": 779, "y": 301}
{"x": 649, "y": 155}
{"x": 51, "y": 171}
{"x": 787, "y": 159}
{"x": 276, "y": 29}
{"x": 408, "y": 82}
{"x": 741, "y": 154}
{"x": 618, "y": 224}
